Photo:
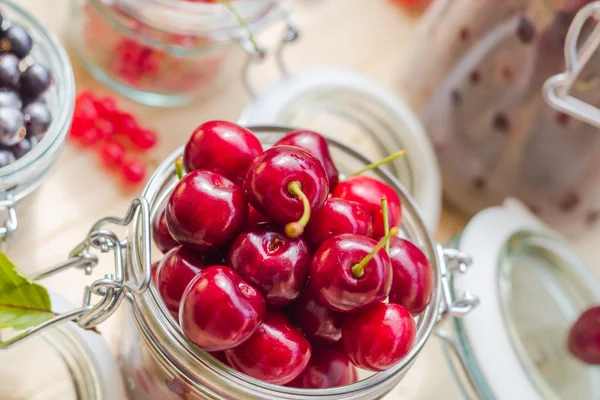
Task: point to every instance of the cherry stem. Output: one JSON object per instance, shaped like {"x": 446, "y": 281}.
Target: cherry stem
{"x": 295, "y": 229}
{"x": 358, "y": 270}
{"x": 179, "y": 167}
{"x": 242, "y": 21}
{"x": 386, "y": 222}
{"x": 377, "y": 164}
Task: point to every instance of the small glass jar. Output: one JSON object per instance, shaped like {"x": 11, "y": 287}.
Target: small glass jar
{"x": 163, "y": 52}
{"x": 21, "y": 178}
{"x": 477, "y": 78}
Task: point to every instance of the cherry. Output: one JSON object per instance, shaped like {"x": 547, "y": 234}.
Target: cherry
{"x": 276, "y": 353}
{"x": 327, "y": 368}
{"x": 285, "y": 183}
{"x": 219, "y": 310}
{"x": 584, "y": 337}
{"x": 351, "y": 272}
{"x": 255, "y": 218}
{"x": 271, "y": 262}
{"x": 369, "y": 192}
{"x": 206, "y": 210}
{"x": 154, "y": 270}
{"x": 316, "y": 145}
{"x": 318, "y": 323}
{"x": 160, "y": 232}
{"x": 336, "y": 217}
{"x": 379, "y": 338}
{"x": 222, "y": 147}
{"x": 412, "y": 276}
{"x": 219, "y": 355}
{"x": 175, "y": 272}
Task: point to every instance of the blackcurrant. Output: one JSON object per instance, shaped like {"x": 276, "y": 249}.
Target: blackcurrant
{"x": 6, "y": 157}
{"x": 37, "y": 119}
{"x": 23, "y": 147}
{"x": 10, "y": 98}
{"x": 12, "y": 126}
{"x": 16, "y": 40}
{"x": 9, "y": 71}
{"x": 35, "y": 80}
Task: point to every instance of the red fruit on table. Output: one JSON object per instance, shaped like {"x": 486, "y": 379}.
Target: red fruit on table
{"x": 206, "y": 211}
{"x": 112, "y": 154}
{"x": 412, "y": 276}
{"x": 336, "y": 217}
{"x": 584, "y": 337}
{"x": 276, "y": 353}
{"x": 222, "y": 147}
{"x": 176, "y": 270}
{"x": 328, "y": 367}
{"x": 369, "y": 192}
{"x": 316, "y": 145}
{"x": 379, "y": 338}
{"x": 160, "y": 232}
{"x": 270, "y": 261}
{"x": 134, "y": 171}
{"x": 318, "y": 323}
{"x": 219, "y": 310}
{"x": 349, "y": 273}
{"x": 144, "y": 139}
{"x": 286, "y": 184}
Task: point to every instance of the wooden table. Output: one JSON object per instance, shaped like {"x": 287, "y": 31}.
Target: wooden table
{"x": 78, "y": 192}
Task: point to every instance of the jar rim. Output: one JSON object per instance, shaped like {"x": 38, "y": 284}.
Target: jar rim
{"x": 379, "y": 382}
{"x": 62, "y": 73}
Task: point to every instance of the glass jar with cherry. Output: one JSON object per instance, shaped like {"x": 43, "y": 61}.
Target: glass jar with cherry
{"x": 165, "y": 52}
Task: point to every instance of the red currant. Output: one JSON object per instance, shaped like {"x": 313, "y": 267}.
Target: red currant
{"x": 143, "y": 139}
{"x": 107, "y": 108}
{"x": 134, "y": 171}
{"x": 112, "y": 154}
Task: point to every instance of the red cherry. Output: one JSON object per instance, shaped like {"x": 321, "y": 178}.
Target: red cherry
{"x": 143, "y": 139}
{"x": 584, "y": 337}
{"x": 276, "y": 353}
{"x": 328, "y": 368}
{"x": 112, "y": 154}
{"x": 412, "y": 276}
{"x": 379, "y": 338}
{"x": 271, "y": 262}
{"x": 369, "y": 192}
{"x": 154, "y": 270}
{"x": 350, "y": 273}
{"x": 219, "y": 355}
{"x": 255, "y": 218}
{"x": 160, "y": 232}
{"x": 285, "y": 183}
{"x": 336, "y": 217}
{"x": 316, "y": 145}
{"x": 219, "y": 310}
{"x": 206, "y": 211}
{"x": 222, "y": 147}
{"x": 318, "y": 323}
{"x": 176, "y": 271}
{"x": 134, "y": 171}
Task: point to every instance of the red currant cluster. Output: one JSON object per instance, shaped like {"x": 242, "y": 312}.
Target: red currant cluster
{"x": 116, "y": 135}
{"x": 279, "y": 269}
{"x": 411, "y": 4}
{"x": 134, "y": 61}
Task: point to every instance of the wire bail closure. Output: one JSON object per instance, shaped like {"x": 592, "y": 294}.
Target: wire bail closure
{"x": 113, "y": 288}
{"x": 556, "y": 89}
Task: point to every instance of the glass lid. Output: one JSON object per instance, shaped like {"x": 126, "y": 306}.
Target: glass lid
{"x": 65, "y": 363}
{"x": 362, "y": 114}
{"x": 532, "y": 289}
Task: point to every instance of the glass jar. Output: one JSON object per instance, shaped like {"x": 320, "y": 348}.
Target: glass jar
{"x": 155, "y": 354}
{"x": 22, "y": 177}
{"x": 476, "y": 78}
{"x": 163, "y": 52}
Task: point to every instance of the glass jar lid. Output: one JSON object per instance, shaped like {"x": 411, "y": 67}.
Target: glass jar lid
{"x": 346, "y": 106}
{"x": 532, "y": 287}
{"x": 65, "y": 363}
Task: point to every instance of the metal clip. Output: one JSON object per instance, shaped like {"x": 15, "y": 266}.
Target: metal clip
{"x": 11, "y": 223}
{"x": 113, "y": 288}
{"x": 556, "y": 88}
{"x": 451, "y": 262}
{"x": 256, "y": 54}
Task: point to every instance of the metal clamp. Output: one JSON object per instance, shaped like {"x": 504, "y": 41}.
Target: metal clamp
{"x": 257, "y": 54}
{"x": 451, "y": 262}
{"x": 556, "y": 88}
{"x": 11, "y": 223}
{"x": 113, "y": 288}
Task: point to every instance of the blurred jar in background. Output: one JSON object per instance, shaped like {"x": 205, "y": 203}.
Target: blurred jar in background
{"x": 476, "y": 78}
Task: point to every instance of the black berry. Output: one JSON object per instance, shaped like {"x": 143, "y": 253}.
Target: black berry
{"x": 6, "y": 157}
{"x": 16, "y": 40}
{"x": 23, "y": 147}
{"x": 34, "y": 81}
{"x": 12, "y": 126}
{"x": 37, "y": 119}
{"x": 10, "y": 98}
{"x": 9, "y": 71}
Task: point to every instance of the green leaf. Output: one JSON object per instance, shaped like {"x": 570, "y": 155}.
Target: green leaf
{"x": 23, "y": 304}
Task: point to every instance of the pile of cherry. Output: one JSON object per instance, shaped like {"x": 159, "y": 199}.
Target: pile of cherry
{"x": 99, "y": 124}
{"x": 279, "y": 269}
